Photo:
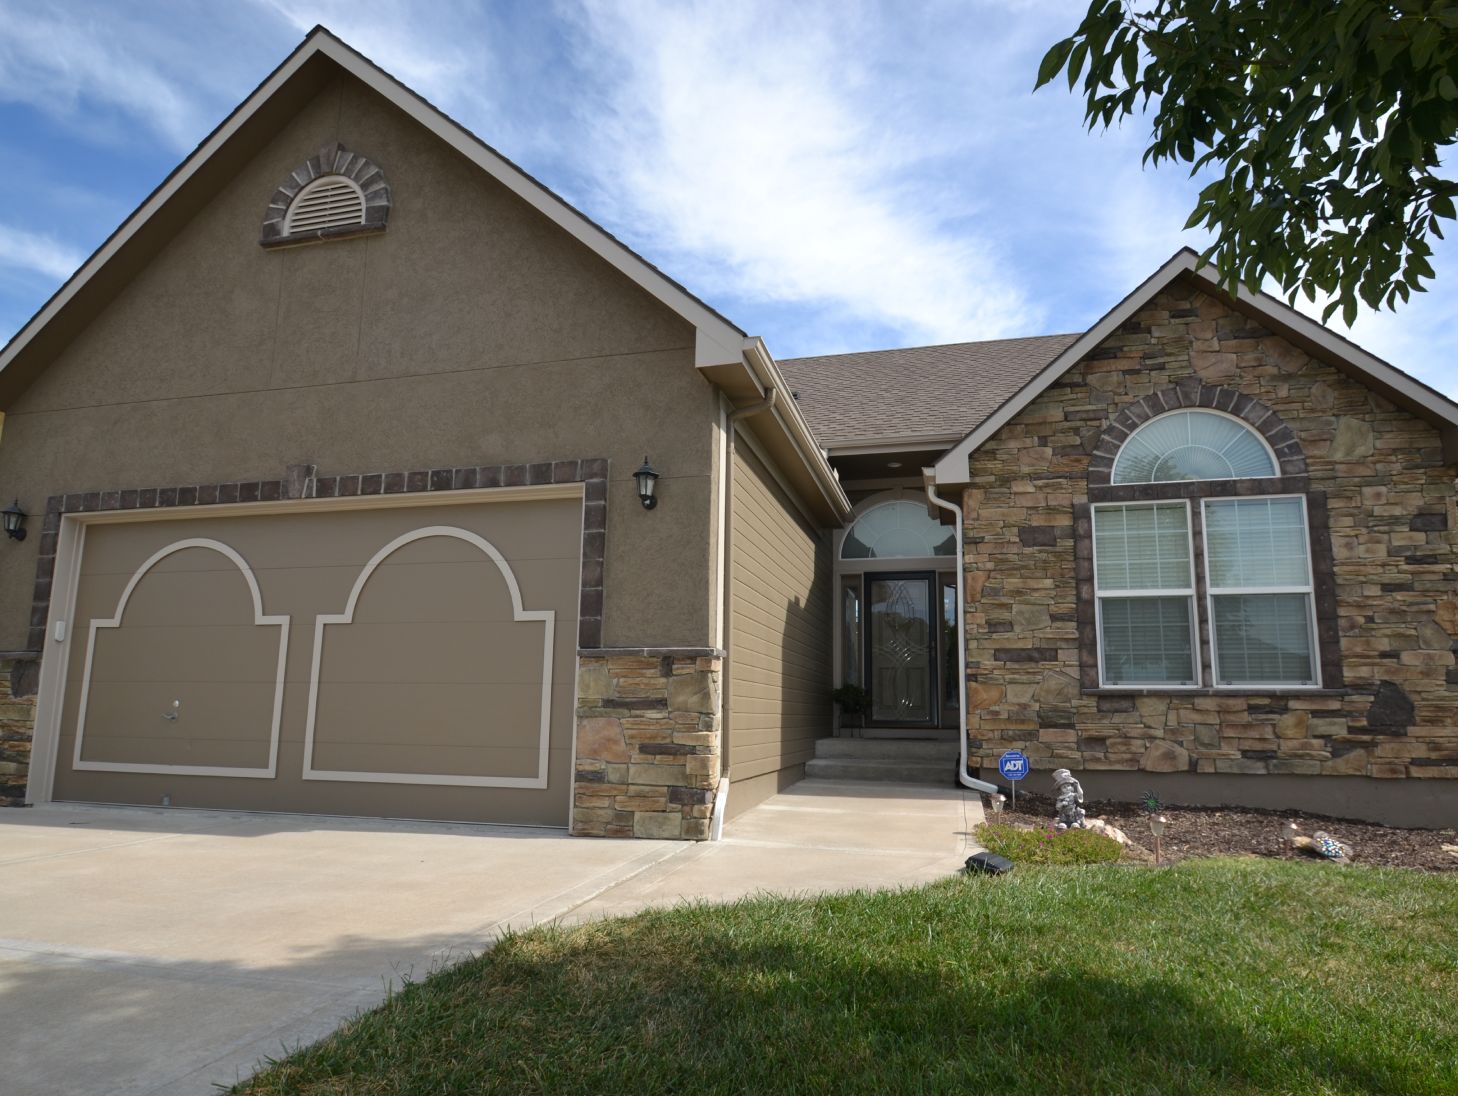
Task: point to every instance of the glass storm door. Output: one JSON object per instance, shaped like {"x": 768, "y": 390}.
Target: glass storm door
{"x": 902, "y": 617}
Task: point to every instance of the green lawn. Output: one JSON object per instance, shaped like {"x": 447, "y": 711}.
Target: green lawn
{"x": 1219, "y": 976}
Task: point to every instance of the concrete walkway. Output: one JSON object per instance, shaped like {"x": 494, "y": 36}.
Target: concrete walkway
{"x": 160, "y": 952}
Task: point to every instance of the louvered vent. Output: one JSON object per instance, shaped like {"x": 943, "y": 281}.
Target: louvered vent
{"x": 330, "y": 202}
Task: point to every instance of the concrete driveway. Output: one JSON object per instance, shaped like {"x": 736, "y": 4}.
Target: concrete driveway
{"x": 157, "y": 952}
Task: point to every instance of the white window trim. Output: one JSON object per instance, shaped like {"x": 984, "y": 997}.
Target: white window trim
{"x": 1275, "y": 461}
{"x": 1309, "y": 590}
{"x": 1190, "y": 594}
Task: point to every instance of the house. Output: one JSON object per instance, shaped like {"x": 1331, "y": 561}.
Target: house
{"x": 357, "y": 473}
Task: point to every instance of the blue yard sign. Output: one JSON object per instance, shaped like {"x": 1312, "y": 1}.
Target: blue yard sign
{"x": 1014, "y": 766}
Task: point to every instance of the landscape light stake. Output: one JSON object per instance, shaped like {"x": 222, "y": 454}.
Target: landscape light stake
{"x": 1156, "y": 827}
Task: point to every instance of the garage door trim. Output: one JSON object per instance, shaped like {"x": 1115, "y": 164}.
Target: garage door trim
{"x": 547, "y": 617}
{"x": 281, "y": 621}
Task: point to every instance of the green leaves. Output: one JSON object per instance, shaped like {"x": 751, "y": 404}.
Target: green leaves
{"x": 1329, "y": 118}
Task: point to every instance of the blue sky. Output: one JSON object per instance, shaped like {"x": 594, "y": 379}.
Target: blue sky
{"x": 830, "y": 175}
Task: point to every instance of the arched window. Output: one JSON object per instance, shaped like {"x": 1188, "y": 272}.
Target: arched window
{"x": 1201, "y": 532}
{"x": 1193, "y": 445}
{"x": 330, "y": 202}
{"x": 898, "y": 530}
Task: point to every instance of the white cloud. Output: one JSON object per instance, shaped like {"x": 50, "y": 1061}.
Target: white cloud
{"x": 747, "y": 146}
{"x": 36, "y": 253}
{"x": 58, "y": 62}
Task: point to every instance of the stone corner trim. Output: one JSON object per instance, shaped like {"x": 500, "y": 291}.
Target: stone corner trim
{"x": 332, "y": 159}
{"x": 648, "y": 742}
{"x": 17, "y": 723}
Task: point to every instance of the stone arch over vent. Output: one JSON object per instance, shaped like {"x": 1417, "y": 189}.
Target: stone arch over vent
{"x": 1192, "y": 394}
{"x": 333, "y": 159}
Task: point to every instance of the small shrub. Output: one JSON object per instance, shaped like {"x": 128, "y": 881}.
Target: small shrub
{"x": 1048, "y": 846}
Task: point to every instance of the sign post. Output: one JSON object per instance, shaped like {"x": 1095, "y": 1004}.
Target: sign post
{"x": 1013, "y": 766}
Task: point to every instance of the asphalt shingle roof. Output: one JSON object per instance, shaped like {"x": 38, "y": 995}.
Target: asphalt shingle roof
{"x": 919, "y": 390}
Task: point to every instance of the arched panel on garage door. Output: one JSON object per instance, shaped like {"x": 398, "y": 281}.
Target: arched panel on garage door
{"x": 434, "y": 673}
{"x": 187, "y": 676}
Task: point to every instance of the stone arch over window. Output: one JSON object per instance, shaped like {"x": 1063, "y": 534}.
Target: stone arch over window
{"x": 1193, "y": 395}
{"x": 333, "y": 170}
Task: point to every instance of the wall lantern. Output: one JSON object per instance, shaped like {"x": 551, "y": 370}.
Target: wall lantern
{"x": 647, "y": 480}
{"x": 14, "y": 521}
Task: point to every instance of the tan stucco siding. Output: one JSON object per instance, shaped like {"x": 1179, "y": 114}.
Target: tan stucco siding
{"x": 779, "y": 641}
{"x": 473, "y": 331}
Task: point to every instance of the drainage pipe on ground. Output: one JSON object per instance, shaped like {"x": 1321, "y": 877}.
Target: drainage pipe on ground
{"x": 962, "y": 777}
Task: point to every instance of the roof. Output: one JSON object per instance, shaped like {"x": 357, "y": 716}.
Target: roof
{"x": 1279, "y": 317}
{"x": 939, "y": 391}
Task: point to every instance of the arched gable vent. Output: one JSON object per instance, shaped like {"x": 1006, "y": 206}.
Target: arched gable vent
{"x": 333, "y": 193}
{"x": 330, "y": 202}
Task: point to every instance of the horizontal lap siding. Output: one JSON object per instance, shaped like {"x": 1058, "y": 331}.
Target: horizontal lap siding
{"x": 779, "y": 644}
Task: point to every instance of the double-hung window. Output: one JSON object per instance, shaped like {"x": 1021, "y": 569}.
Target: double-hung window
{"x": 1251, "y": 597}
{"x": 1258, "y": 577}
{"x": 1144, "y": 581}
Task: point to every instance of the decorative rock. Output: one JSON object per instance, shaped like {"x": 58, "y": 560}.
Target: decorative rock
{"x": 1057, "y": 688}
{"x": 1165, "y": 757}
{"x": 1391, "y": 710}
{"x": 601, "y": 738}
{"x": 1447, "y": 616}
{"x": 1098, "y": 825}
{"x": 1030, "y": 617}
{"x": 1352, "y": 440}
{"x": 1293, "y": 725}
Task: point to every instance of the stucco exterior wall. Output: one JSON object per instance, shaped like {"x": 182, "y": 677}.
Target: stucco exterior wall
{"x": 1390, "y": 504}
{"x": 779, "y": 636}
{"x": 472, "y": 332}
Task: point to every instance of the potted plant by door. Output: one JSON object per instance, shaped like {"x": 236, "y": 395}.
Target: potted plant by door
{"x": 853, "y": 702}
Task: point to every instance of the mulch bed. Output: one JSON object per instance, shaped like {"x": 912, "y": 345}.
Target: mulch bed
{"x": 1228, "y": 831}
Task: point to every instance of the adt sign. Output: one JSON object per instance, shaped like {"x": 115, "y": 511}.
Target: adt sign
{"x": 1013, "y": 765}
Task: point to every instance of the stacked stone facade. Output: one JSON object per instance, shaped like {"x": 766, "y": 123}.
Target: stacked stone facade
{"x": 648, "y": 740}
{"x": 17, "y": 725}
{"x": 1376, "y": 482}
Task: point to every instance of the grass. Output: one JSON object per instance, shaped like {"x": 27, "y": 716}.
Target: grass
{"x": 1048, "y": 846}
{"x": 1213, "y": 976}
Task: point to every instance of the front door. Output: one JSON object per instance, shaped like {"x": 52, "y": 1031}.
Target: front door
{"x": 903, "y": 612}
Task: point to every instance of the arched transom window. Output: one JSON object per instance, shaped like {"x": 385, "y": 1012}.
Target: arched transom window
{"x": 898, "y": 530}
{"x": 1193, "y": 445}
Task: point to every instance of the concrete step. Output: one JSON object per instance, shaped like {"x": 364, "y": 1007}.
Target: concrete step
{"x": 881, "y": 769}
{"x": 889, "y": 749}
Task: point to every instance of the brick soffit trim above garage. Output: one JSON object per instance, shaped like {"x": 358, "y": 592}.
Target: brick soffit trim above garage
{"x": 302, "y": 482}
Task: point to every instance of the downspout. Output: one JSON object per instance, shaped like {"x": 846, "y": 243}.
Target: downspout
{"x": 962, "y": 777}
{"x": 721, "y": 798}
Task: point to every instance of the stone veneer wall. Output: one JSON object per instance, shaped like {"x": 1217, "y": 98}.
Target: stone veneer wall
{"x": 17, "y": 726}
{"x": 1390, "y": 504}
{"x": 648, "y": 741}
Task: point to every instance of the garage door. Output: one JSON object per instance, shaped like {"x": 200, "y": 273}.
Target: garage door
{"x": 407, "y": 662}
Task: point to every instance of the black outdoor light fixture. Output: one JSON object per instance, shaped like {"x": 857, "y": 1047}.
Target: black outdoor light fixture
{"x": 14, "y": 521}
{"x": 647, "y": 480}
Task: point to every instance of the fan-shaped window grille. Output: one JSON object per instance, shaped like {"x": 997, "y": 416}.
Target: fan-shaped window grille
{"x": 1193, "y": 445}
{"x": 895, "y": 530}
{"x": 330, "y": 202}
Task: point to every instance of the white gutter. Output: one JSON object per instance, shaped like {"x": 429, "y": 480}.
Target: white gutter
{"x": 962, "y": 777}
